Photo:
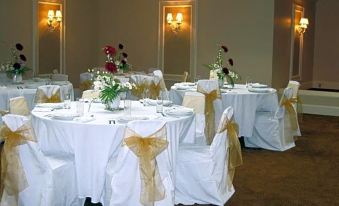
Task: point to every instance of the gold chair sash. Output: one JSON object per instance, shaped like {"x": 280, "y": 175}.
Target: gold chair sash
{"x": 154, "y": 90}
{"x": 86, "y": 85}
{"x": 13, "y": 178}
{"x": 138, "y": 90}
{"x": 288, "y": 104}
{"x": 209, "y": 113}
{"x": 147, "y": 148}
{"x": 234, "y": 152}
{"x": 41, "y": 97}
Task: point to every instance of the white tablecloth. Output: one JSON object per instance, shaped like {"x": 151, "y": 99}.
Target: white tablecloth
{"x": 28, "y": 89}
{"x": 244, "y": 103}
{"x": 93, "y": 143}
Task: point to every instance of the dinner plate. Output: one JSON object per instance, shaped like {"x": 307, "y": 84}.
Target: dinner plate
{"x": 51, "y": 105}
{"x": 260, "y": 90}
{"x": 178, "y": 111}
{"x": 258, "y": 85}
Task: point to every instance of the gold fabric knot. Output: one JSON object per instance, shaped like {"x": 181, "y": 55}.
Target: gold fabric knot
{"x": 138, "y": 90}
{"x": 13, "y": 178}
{"x": 209, "y": 113}
{"x": 234, "y": 152}
{"x": 154, "y": 90}
{"x": 86, "y": 85}
{"x": 288, "y": 104}
{"x": 41, "y": 97}
{"x": 146, "y": 149}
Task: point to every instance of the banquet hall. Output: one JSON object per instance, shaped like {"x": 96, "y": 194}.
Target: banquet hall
{"x": 268, "y": 136}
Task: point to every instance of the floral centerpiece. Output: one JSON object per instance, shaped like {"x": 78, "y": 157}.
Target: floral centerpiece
{"x": 110, "y": 89}
{"x": 16, "y": 66}
{"x": 116, "y": 59}
{"x": 221, "y": 71}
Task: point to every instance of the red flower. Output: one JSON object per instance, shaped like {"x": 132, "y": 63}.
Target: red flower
{"x": 225, "y": 70}
{"x": 109, "y": 50}
{"x": 224, "y": 48}
{"x": 109, "y": 66}
{"x": 230, "y": 61}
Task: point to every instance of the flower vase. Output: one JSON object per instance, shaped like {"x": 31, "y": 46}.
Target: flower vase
{"x": 114, "y": 104}
{"x": 221, "y": 83}
{"x": 17, "y": 78}
{"x": 230, "y": 82}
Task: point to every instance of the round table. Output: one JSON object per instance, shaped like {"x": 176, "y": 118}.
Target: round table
{"x": 94, "y": 142}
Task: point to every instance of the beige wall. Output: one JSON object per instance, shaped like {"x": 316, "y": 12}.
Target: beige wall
{"x": 326, "y": 49}
{"x": 16, "y": 27}
{"x": 246, "y": 27}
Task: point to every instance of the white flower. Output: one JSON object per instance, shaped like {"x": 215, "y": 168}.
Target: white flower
{"x": 98, "y": 85}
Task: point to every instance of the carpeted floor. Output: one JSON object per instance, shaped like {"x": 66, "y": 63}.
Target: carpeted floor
{"x": 307, "y": 175}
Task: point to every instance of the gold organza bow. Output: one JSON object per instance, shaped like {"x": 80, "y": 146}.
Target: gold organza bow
{"x": 154, "y": 90}
{"x": 288, "y": 104}
{"x": 41, "y": 97}
{"x": 209, "y": 112}
{"x": 86, "y": 85}
{"x": 13, "y": 178}
{"x": 234, "y": 152}
{"x": 139, "y": 89}
{"x": 147, "y": 148}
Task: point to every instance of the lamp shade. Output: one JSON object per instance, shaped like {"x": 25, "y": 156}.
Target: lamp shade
{"x": 303, "y": 21}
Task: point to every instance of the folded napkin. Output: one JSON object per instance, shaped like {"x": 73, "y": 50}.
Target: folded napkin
{"x": 126, "y": 119}
{"x": 178, "y": 111}
{"x": 65, "y": 116}
{"x": 258, "y": 85}
{"x": 153, "y": 102}
{"x": 42, "y": 109}
{"x": 84, "y": 119}
{"x": 50, "y": 105}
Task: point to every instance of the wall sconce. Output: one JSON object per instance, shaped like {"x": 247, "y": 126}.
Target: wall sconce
{"x": 302, "y": 26}
{"x": 175, "y": 25}
{"x": 53, "y": 21}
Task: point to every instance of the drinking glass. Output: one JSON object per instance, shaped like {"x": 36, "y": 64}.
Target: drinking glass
{"x": 67, "y": 100}
{"x": 80, "y": 107}
{"x": 128, "y": 107}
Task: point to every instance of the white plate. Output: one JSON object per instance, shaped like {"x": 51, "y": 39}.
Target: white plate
{"x": 65, "y": 116}
{"x": 51, "y": 105}
{"x": 153, "y": 102}
{"x": 261, "y": 90}
{"x": 126, "y": 119}
{"x": 258, "y": 85}
{"x": 178, "y": 111}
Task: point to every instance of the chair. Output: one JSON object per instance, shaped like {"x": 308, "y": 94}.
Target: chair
{"x": 295, "y": 87}
{"x": 204, "y": 174}
{"x": 273, "y": 131}
{"x": 48, "y": 94}
{"x": 59, "y": 77}
{"x": 196, "y": 100}
{"x": 213, "y": 106}
{"x": 127, "y": 183}
{"x": 90, "y": 94}
{"x": 86, "y": 81}
{"x": 142, "y": 83}
{"x": 38, "y": 179}
{"x": 19, "y": 106}
{"x": 159, "y": 82}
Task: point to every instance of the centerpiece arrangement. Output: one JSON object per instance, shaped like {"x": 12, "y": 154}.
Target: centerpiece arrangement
{"x": 223, "y": 72}
{"x": 110, "y": 87}
{"x": 16, "y": 66}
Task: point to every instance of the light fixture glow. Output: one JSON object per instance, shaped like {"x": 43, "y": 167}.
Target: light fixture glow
{"x": 175, "y": 25}
{"x": 302, "y": 26}
{"x": 53, "y": 21}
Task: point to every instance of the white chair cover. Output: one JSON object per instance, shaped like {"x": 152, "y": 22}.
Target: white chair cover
{"x": 49, "y": 91}
{"x": 85, "y": 76}
{"x": 59, "y": 77}
{"x": 123, "y": 183}
{"x": 209, "y": 86}
{"x": 273, "y": 131}
{"x": 201, "y": 172}
{"x": 295, "y": 87}
{"x": 196, "y": 101}
{"x": 51, "y": 181}
{"x": 18, "y": 105}
{"x": 90, "y": 94}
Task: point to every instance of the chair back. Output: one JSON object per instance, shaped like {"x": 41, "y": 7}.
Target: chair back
{"x": 194, "y": 100}
{"x": 59, "y": 77}
{"x": 128, "y": 183}
{"x": 160, "y": 78}
{"x": 48, "y": 94}
{"x": 19, "y": 106}
{"x": 185, "y": 76}
{"x": 287, "y": 94}
{"x": 90, "y": 94}
{"x": 295, "y": 87}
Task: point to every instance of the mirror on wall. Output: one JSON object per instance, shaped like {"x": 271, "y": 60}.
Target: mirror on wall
{"x": 177, "y": 39}
{"x": 49, "y": 38}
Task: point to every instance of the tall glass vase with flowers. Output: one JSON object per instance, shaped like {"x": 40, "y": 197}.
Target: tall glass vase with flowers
{"x": 221, "y": 71}
{"x": 16, "y": 66}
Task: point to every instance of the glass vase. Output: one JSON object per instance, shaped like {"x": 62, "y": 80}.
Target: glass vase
{"x": 221, "y": 83}
{"x": 17, "y": 78}
{"x": 113, "y": 105}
